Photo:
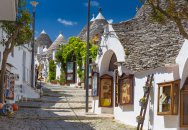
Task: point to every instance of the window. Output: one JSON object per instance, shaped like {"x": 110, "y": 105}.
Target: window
{"x": 126, "y": 89}
{"x": 168, "y": 98}
{"x": 106, "y": 91}
{"x": 184, "y": 105}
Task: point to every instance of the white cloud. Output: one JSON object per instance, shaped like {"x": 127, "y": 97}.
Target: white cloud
{"x": 66, "y": 22}
{"x": 93, "y": 3}
{"x": 110, "y": 21}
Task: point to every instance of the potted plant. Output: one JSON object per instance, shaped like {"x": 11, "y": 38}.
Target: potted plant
{"x": 142, "y": 102}
{"x": 140, "y": 119}
{"x": 53, "y": 81}
{"x": 146, "y": 89}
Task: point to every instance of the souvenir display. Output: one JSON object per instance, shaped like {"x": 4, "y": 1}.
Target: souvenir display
{"x": 168, "y": 98}
{"x": 10, "y": 87}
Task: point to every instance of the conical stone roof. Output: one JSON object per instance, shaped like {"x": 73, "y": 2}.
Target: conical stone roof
{"x": 43, "y": 40}
{"x": 59, "y": 41}
{"x": 96, "y": 27}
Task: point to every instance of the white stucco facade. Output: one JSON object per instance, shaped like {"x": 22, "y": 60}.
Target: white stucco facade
{"x": 128, "y": 113}
{"x": 20, "y": 60}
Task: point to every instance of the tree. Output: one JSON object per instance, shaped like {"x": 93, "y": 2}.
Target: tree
{"x": 174, "y": 11}
{"x": 17, "y": 33}
{"x": 75, "y": 49}
{"x": 52, "y": 70}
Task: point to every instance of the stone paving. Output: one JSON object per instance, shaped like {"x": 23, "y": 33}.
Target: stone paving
{"x": 60, "y": 108}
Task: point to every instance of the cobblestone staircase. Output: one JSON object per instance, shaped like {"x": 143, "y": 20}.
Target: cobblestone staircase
{"x": 67, "y": 103}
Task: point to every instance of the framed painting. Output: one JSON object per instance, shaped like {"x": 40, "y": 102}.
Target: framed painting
{"x": 106, "y": 91}
{"x": 126, "y": 93}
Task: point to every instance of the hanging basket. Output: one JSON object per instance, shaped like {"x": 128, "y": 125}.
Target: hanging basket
{"x": 140, "y": 119}
{"x": 146, "y": 89}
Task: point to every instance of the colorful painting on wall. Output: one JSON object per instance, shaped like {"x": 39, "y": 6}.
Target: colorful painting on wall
{"x": 106, "y": 91}
{"x": 126, "y": 89}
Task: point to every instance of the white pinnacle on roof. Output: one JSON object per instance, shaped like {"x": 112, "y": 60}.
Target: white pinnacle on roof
{"x": 59, "y": 41}
{"x": 93, "y": 19}
{"x": 100, "y": 16}
{"x": 43, "y": 32}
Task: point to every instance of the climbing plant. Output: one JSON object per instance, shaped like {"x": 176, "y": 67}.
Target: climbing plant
{"x": 75, "y": 50}
{"x": 52, "y": 70}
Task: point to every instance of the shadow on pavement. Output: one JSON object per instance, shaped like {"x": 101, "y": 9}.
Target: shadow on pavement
{"x": 51, "y": 112}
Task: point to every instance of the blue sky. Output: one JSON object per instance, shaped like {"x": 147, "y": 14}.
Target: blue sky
{"x": 70, "y": 16}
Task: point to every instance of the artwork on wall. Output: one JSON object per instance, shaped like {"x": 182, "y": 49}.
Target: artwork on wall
{"x": 95, "y": 83}
{"x": 106, "y": 91}
{"x": 126, "y": 93}
{"x": 10, "y": 87}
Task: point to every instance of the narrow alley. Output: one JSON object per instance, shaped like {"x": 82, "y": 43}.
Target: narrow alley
{"x": 59, "y": 108}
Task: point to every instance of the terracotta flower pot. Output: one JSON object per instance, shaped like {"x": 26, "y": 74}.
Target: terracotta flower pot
{"x": 1, "y": 105}
{"x": 15, "y": 107}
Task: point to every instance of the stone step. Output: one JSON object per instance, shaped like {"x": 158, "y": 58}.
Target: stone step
{"x": 60, "y": 95}
{"x": 52, "y": 105}
{"x": 65, "y": 114}
{"x": 52, "y": 101}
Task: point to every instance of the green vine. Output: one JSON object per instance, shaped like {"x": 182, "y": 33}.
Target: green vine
{"x": 75, "y": 50}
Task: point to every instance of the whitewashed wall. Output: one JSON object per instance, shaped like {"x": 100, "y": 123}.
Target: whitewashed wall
{"x": 17, "y": 62}
{"x": 127, "y": 114}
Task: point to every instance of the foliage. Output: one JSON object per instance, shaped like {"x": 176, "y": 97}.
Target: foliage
{"x": 143, "y": 99}
{"x": 75, "y": 50}
{"x": 172, "y": 11}
{"x": 52, "y": 70}
{"x": 17, "y": 33}
{"x": 62, "y": 77}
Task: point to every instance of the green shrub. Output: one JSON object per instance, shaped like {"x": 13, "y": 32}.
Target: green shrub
{"x": 62, "y": 77}
{"x": 52, "y": 70}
